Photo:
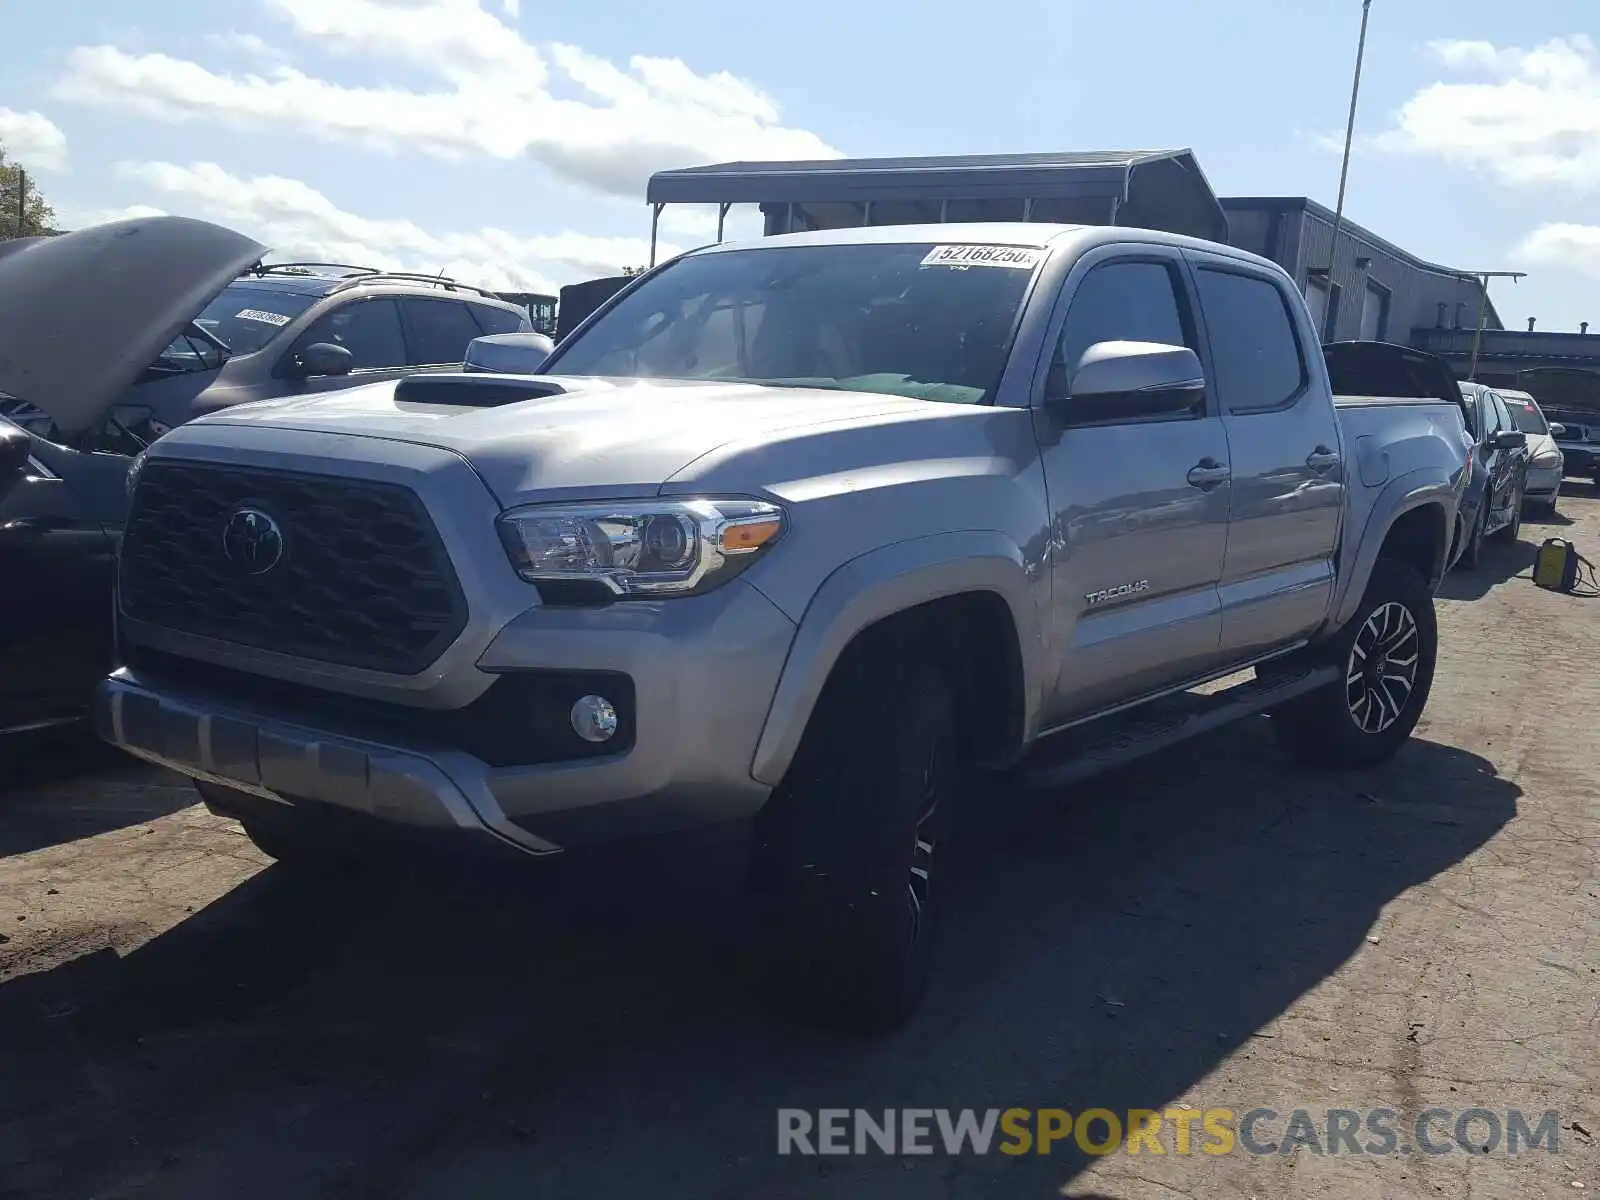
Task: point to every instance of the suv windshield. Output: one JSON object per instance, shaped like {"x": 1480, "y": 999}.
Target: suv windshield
{"x": 920, "y": 320}
{"x": 1527, "y": 415}
{"x": 243, "y": 318}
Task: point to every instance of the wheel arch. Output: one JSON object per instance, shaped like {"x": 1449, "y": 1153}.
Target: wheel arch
{"x": 965, "y": 590}
{"x": 1411, "y": 521}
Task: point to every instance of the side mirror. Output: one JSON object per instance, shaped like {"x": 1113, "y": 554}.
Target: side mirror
{"x": 1557, "y": 429}
{"x": 324, "y": 358}
{"x": 508, "y": 353}
{"x": 1508, "y": 439}
{"x": 1115, "y": 379}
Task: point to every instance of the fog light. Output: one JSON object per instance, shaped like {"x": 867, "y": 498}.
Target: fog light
{"x": 593, "y": 719}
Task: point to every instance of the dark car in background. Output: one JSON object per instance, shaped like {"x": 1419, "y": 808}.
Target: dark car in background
{"x": 1578, "y": 438}
{"x": 180, "y": 320}
{"x": 1492, "y": 505}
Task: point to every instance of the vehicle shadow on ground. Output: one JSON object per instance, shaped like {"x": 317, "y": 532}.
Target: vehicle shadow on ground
{"x": 1501, "y": 562}
{"x": 60, "y": 786}
{"x": 1543, "y": 521}
{"x": 598, "y": 1036}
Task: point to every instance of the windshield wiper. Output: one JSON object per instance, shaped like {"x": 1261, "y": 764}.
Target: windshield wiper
{"x": 224, "y": 351}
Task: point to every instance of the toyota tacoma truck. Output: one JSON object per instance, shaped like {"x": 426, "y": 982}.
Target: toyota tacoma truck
{"x": 792, "y": 537}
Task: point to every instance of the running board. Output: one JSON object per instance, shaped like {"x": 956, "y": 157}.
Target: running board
{"x": 1085, "y": 750}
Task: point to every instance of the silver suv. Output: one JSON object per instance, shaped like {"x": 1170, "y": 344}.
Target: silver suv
{"x": 288, "y": 329}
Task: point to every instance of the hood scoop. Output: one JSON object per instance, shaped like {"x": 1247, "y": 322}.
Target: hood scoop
{"x": 473, "y": 390}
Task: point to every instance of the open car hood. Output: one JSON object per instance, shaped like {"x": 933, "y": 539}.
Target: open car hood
{"x": 83, "y": 314}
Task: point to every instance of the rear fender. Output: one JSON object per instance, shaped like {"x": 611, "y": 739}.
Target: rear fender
{"x": 1407, "y": 493}
{"x": 879, "y": 584}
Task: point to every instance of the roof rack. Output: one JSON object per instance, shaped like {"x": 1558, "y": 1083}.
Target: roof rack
{"x": 349, "y": 276}
{"x": 310, "y": 268}
{"x": 440, "y": 281}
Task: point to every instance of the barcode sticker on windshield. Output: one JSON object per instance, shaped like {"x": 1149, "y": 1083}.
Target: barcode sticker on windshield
{"x": 256, "y": 314}
{"x": 1020, "y": 258}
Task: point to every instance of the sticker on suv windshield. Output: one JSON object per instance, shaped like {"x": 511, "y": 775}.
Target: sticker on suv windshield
{"x": 257, "y": 314}
{"x": 1020, "y": 258}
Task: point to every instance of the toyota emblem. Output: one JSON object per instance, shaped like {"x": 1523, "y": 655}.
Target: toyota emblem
{"x": 252, "y": 541}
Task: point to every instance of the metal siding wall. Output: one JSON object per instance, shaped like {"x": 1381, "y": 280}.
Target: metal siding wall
{"x": 1248, "y": 229}
{"x": 1414, "y": 294}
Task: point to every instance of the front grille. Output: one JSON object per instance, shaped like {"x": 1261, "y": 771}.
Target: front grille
{"x": 521, "y": 720}
{"x": 360, "y": 577}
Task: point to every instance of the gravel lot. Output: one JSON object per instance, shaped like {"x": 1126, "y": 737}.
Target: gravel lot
{"x": 1210, "y": 928}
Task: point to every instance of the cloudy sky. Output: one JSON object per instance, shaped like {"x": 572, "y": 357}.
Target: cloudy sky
{"x": 508, "y": 141}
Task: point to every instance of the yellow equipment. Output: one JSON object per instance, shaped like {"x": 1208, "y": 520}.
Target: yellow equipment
{"x": 1559, "y": 568}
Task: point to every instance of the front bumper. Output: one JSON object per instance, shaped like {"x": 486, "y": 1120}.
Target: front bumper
{"x": 1580, "y": 461}
{"x": 1544, "y": 483}
{"x": 703, "y": 669}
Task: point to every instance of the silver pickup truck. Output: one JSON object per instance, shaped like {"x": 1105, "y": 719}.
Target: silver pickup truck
{"x": 793, "y": 535}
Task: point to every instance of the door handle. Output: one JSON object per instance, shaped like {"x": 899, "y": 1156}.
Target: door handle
{"x": 1322, "y": 459}
{"x": 1208, "y": 473}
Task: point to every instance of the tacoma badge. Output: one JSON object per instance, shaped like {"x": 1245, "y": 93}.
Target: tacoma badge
{"x": 1118, "y": 592}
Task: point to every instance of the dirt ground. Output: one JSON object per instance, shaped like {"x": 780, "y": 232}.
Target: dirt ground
{"x": 1210, "y": 929}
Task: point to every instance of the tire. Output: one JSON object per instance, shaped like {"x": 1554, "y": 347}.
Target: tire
{"x": 1473, "y": 554}
{"x": 1509, "y": 533}
{"x": 844, "y": 861}
{"x": 1338, "y": 726}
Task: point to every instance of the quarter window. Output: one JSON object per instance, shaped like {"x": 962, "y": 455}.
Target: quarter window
{"x": 369, "y": 329}
{"x": 438, "y": 331}
{"x": 1119, "y": 302}
{"x": 497, "y": 320}
{"x": 1256, "y": 359}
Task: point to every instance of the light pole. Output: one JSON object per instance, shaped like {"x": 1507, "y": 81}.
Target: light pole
{"x": 1344, "y": 167}
{"x": 1481, "y": 278}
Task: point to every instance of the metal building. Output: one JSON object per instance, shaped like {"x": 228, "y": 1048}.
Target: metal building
{"x": 1552, "y": 364}
{"x": 1375, "y": 291}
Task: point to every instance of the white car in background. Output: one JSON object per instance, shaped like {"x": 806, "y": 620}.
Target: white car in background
{"x": 1545, "y": 462}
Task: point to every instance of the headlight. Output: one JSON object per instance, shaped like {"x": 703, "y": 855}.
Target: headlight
{"x": 1550, "y": 458}
{"x": 640, "y": 548}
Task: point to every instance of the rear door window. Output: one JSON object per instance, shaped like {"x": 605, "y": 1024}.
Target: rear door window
{"x": 1255, "y": 351}
{"x": 437, "y": 331}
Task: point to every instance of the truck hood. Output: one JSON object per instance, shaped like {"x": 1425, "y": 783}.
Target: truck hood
{"x": 83, "y": 314}
{"x": 588, "y": 437}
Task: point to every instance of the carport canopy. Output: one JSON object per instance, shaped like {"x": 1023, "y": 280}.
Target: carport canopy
{"x": 1152, "y": 189}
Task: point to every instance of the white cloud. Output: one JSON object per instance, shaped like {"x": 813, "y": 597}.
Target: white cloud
{"x": 244, "y": 43}
{"x": 32, "y": 140}
{"x": 1531, "y": 118}
{"x": 697, "y": 223}
{"x": 299, "y": 222}
{"x": 1564, "y": 245}
{"x": 497, "y": 95}
{"x": 513, "y": 8}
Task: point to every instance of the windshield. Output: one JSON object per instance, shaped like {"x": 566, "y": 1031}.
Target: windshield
{"x": 931, "y": 322}
{"x": 1527, "y": 415}
{"x": 242, "y": 318}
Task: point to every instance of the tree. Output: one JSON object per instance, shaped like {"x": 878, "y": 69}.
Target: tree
{"x": 631, "y": 271}
{"x": 37, "y": 215}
